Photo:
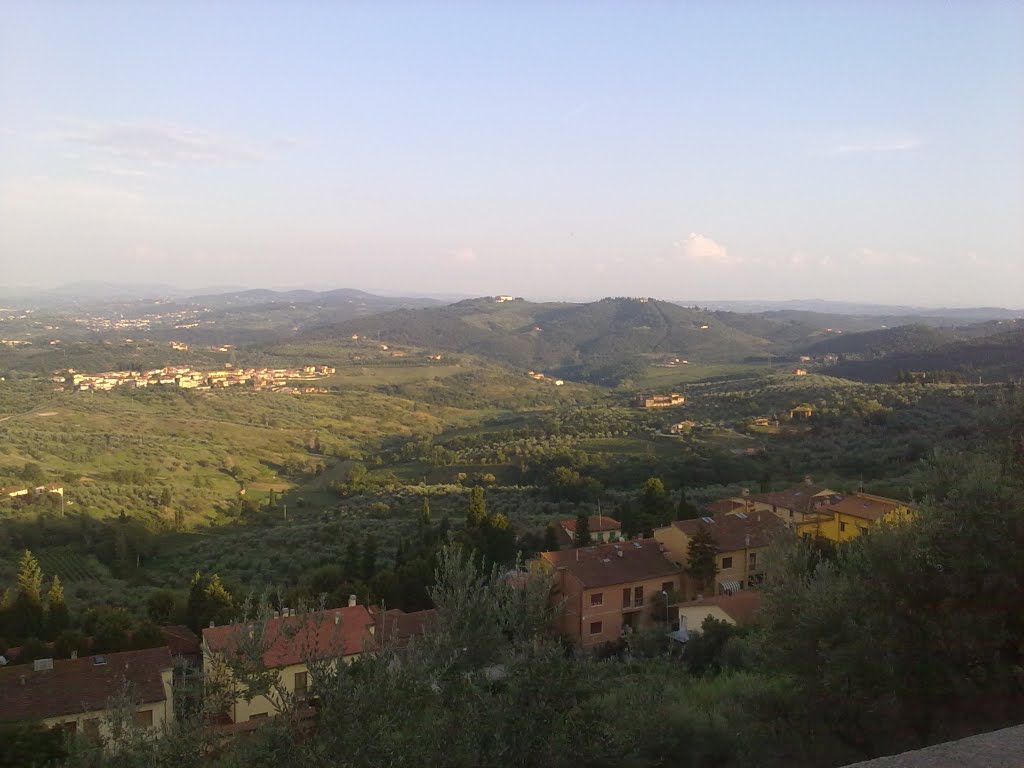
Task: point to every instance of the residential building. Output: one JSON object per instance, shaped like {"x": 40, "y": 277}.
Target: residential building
{"x": 609, "y": 589}
{"x": 737, "y": 608}
{"x": 658, "y": 401}
{"x": 845, "y": 518}
{"x": 602, "y": 529}
{"x": 80, "y": 695}
{"x": 288, "y": 644}
{"x": 792, "y": 505}
{"x": 742, "y": 540}
{"x": 399, "y": 628}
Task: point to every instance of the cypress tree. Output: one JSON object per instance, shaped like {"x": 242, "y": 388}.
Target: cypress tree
{"x": 582, "y": 530}
{"x": 477, "y": 507}
{"x": 57, "y": 618}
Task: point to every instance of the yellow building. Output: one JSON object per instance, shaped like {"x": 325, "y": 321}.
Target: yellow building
{"x": 79, "y": 695}
{"x": 848, "y": 517}
{"x": 742, "y": 540}
{"x": 287, "y": 644}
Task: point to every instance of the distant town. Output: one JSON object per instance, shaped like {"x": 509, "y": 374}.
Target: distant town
{"x": 186, "y": 377}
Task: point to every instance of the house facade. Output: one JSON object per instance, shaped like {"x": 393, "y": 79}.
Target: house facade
{"x": 742, "y": 541}
{"x": 609, "y": 589}
{"x": 847, "y": 517}
{"x": 288, "y": 645}
{"x": 83, "y": 695}
{"x": 602, "y": 529}
{"x": 739, "y": 608}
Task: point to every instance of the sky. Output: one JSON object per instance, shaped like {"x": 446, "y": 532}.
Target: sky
{"x": 863, "y": 151}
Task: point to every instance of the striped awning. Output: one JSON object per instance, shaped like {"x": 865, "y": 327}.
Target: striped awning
{"x": 728, "y": 586}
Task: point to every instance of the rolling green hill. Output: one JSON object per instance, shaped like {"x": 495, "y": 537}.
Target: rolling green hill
{"x": 563, "y": 337}
{"x": 997, "y": 357}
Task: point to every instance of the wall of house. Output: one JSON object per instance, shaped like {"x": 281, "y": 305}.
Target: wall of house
{"x": 691, "y": 617}
{"x": 611, "y": 611}
{"x": 243, "y": 710}
{"x": 741, "y": 569}
{"x": 675, "y": 542}
{"x": 162, "y": 713}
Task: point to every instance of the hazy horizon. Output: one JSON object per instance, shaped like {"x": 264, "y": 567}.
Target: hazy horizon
{"x": 848, "y": 152}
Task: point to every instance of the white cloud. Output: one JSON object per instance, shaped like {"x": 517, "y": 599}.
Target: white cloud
{"x": 699, "y": 248}
{"x": 463, "y": 255}
{"x": 901, "y": 144}
{"x": 155, "y": 144}
{"x": 870, "y": 257}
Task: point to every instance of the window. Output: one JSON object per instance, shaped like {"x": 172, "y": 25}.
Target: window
{"x": 753, "y": 559}
{"x": 259, "y": 716}
{"x": 667, "y": 586}
{"x": 144, "y": 718}
{"x": 91, "y": 727}
{"x": 301, "y": 683}
{"x": 70, "y": 726}
{"x": 638, "y": 596}
{"x": 627, "y": 597}
{"x": 791, "y": 513}
{"x": 726, "y": 563}
{"x": 842, "y": 526}
{"x": 597, "y": 598}
{"x": 596, "y": 627}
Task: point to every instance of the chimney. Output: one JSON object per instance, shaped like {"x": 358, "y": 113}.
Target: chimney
{"x": 807, "y": 480}
{"x": 745, "y": 492}
{"x": 618, "y": 552}
{"x": 74, "y": 655}
{"x": 352, "y": 601}
{"x": 212, "y": 625}
{"x": 337, "y": 618}
{"x": 285, "y": 612}
{"x": 277, "y": 614}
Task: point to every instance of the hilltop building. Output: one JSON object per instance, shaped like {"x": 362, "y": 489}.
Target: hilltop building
{"x": 609, "y": 589}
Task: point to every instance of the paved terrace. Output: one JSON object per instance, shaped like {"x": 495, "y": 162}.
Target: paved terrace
{"x": 998, "y": 749}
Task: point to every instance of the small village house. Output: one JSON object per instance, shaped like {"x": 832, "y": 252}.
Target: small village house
{"x": 742, "y": 541}
{"x": 602, "y": 529}
{"x": 79, "y": 695}
{"x": 739, "y": 608}
{"x": 288, "y": 644}
{"x": 845, "y": 518}
{"x": 609, "y": 589}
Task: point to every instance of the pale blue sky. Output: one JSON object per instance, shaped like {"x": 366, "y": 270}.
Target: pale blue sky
{"x": 870, "y": 151}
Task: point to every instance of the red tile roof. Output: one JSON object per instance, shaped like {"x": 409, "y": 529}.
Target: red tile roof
{"x": 81, "y": 685}
{"x": 597, "y": 523}
{"x": 799, "y": 498}
{"x": 725, "y": 506}
{"x": 742, "y": 607}
{"x": 731, "y": 532}
{"x": 865, "y": 506}
{"x": 181, "y": 640}
{"x": 295, "y": 639}
{"x": 618, "y": 563}
{"x": 398, "y": 626}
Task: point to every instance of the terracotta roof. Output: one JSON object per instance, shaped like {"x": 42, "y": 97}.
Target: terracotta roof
{"x": 799, "y": 498}
{"x": 725, "y": 506}
{"x": 182, "y": 641}
{"x": 730, "y": 532}
{"x": 865, "y": 506}
{"x": 81, "y": 685}
{"x": 742, "y": 607}
{"x": 398, "y": 626}
{"x": 294, "y": 639}
{"x": 602, "y": 565}
{"x": 602, "y": 523}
